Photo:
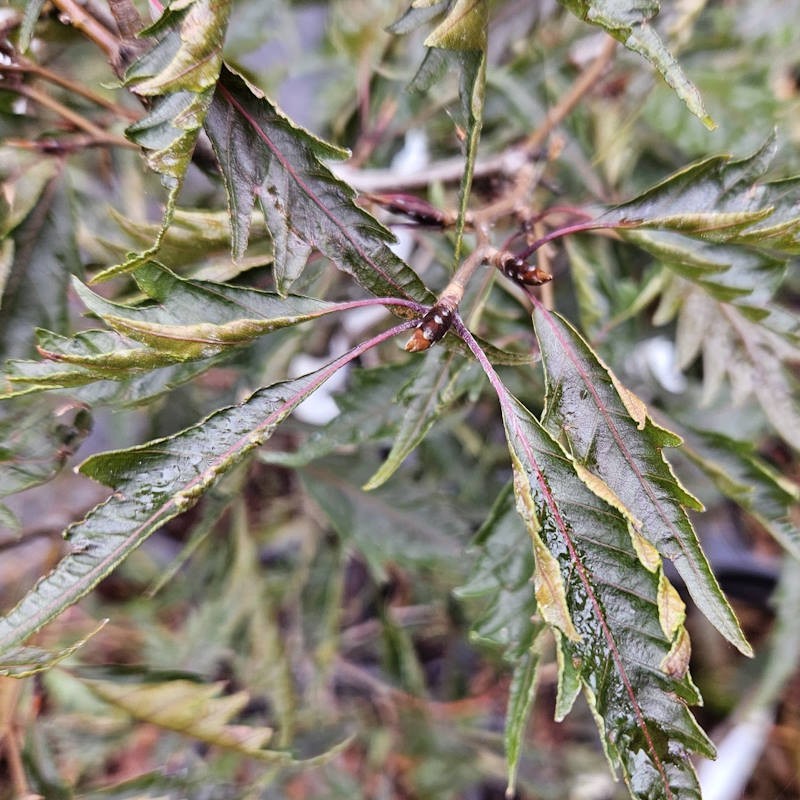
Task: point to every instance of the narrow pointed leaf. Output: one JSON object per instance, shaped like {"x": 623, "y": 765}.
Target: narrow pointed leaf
{"x": 461, "y": 38}
{"x": 177, "y": 75}
{"x": 722, "y": 200}
{"x": 231, "y": 315}
{"x": 610, "y": 435}
{"x": 520, "y": 701}
{"x": 368, "y": 412}
{"x": 153, "y": 483}
{"x": 99, "y": 357}
{"x": 170, "y": 330}
{"x": 439, "y": 381}
{"x": 743, "y": 276}
{"x": 401, "y": 522}
{"x": 262, "y": 154}
{"x": 618, "y": 643}
{"x": 33, "y": 8}
{"x": 416, "y": 15}
{"x": 753, "y": 355}
{"x": 36, "y": 440}
{"x": 628, "y": 21}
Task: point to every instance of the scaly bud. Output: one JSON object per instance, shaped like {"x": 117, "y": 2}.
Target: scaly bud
{"x": 519, "y": 270}
{"x": 432, "y": 327}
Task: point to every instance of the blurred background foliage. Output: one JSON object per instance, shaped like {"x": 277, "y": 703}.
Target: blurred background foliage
{"x": 338, "y": 612}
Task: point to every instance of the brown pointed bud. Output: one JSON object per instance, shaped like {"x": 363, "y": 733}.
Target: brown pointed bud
{"x": 519, "y": 270}
{"x": 432, "y": 327}
{"x": 413, "y": 207}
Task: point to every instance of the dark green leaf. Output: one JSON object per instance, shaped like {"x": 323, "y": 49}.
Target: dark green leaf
{"x": 171, "y": 330}
{"x": 36, "y": 440}
{"x": 628, "y": 21}
{"x": 417, "y": 15}
{"x": 368, "y": 412}
{"x": 400, "y": 522}
{"x": 503, "y": 576}
{"x": 262, "y": 154}
{"x": 721, "y": 200}
{"x": 153, "y": 483}
{"x": 199, "y": 319}
{"x": 617, "y": 617}
{"x": 743, "y": 276}
{"x": 608, "y": 432}
{"x": 520, "y": 702}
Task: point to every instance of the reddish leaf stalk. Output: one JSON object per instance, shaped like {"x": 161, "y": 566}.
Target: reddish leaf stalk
{"x": 578, "y": 227}
{"x": 507, "y": 407}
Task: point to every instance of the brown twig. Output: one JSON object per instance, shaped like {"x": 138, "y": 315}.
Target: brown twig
{"x": 105, "y": 39}
{"x": 25, "y": 66}
{"x": 76, "y": 120}
{"x": 559, "y": 112}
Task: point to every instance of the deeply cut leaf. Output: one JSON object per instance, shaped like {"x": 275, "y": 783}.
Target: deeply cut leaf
{"x": 35, "y": 442}
{"x": 263, "y": 155}
{"x": 752, "y": 356}
{"x": 177, "y": 76}
{"x": 153, "y": 483}
{"x": 620, "y": 640}
{"x": 367, "y": 413}
{"x": 44, "y": 258}
{"x": 721, "y": 200}
{"x": 171, "y": 330}
{"x": 503, "y": 577}
{"x": 608, "y": 432}
{"x": 401, "y": 522}
{"x": 21, "y": 662}
{"x": 628, "y": 21}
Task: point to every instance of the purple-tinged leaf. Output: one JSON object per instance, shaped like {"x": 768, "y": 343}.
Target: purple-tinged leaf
{"x": 617, "y": 619}
{"x": 608, "y": 432}
{"x": 263, "y": 155}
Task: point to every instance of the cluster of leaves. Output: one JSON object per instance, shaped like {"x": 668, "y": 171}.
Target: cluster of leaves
{"x": 576, "y": 549}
